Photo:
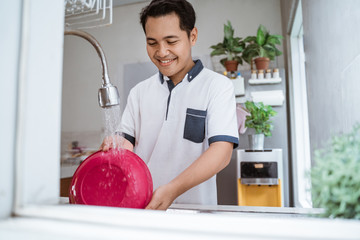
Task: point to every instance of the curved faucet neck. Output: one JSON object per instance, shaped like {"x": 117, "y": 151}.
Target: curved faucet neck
{"x": 108, "y": 95}
{"x": 98, "y": 49}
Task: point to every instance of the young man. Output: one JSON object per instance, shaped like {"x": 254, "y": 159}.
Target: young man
{"x": 182, "y": 120}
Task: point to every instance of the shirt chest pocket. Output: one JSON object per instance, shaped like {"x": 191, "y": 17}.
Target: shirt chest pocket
{"x": 194, "y": 129}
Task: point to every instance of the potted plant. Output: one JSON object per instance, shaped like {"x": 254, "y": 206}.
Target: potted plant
{"x": 262, "y": 47}
{"x": 231, "y": 47}
{"x": 259, "y": 120}
{"x": 335, "y": 176}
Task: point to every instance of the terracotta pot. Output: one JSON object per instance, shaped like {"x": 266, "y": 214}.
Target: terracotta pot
{"x": 262, "y": 63}
{"x": 231, "y": 66}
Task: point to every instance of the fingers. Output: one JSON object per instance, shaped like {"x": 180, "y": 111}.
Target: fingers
{"x": 154, "y": 202}
{"x": 153, "y": 205}
{"x": 101, "y": 148}
{"x": 111, "y": 142}
{"x": 160, "y": 199}
{"x": 105, "y": 145}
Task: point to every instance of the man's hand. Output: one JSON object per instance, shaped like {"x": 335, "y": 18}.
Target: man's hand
{"x": 115, "y": 141}
{"x": 162, "y": 198}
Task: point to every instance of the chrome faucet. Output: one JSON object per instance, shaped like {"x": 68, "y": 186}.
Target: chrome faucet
{"x": 108, "y": 94}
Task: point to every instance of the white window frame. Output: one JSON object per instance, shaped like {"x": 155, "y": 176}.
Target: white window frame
{"x": 9, "y": 50}
{"x": 37, "y": 146}
{"x": 300, "y": 139}
{"x": 39, "y": 214}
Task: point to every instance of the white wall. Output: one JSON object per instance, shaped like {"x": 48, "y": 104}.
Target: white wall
{"x": 124, "y": 42}
{"x": 245, "y": 16}
{"x": 331, "y": 42}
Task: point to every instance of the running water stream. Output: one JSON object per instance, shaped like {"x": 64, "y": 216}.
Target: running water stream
{"x": 111, "y": 120}
{"x": 111, "y": 123}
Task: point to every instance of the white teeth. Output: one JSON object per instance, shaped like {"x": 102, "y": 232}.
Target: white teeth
{"x": 166, "y": 61}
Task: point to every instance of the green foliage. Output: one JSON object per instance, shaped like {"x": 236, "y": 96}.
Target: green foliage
{"x": 262, "y": 45}
{"x": 260, "y": 117}
{"x": 231, "y": 46}
{"x": 335, "y": 176}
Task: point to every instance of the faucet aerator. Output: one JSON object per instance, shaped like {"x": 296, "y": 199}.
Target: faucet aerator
{"x": 108, "y": 96}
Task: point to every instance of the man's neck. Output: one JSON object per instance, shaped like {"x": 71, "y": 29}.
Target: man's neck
{"x": 180, "y": 75}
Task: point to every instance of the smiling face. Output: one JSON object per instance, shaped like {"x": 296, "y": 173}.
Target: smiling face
{"x": 169, "y": 47}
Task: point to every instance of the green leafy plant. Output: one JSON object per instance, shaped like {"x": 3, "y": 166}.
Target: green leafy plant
{"x": 231, "y": 46}
{"x": 260, "y": 117}
{"x": 262, "y": 45}
{"x": 335, "y": 176}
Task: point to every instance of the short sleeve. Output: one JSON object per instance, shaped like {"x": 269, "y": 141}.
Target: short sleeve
{"x": 130, "y": 117}
{"x": 221, "y": 118}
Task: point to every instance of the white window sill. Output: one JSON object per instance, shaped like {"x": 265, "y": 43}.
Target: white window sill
{"x": 86, "y": 222}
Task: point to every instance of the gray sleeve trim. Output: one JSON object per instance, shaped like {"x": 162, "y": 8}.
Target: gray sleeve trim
{"x": 224, "y": 138}
{"x": 130, "y": 138}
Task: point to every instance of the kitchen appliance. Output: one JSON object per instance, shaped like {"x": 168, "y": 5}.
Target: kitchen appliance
{"x": 116, "y": 178}
{"x": 260, "y": 178}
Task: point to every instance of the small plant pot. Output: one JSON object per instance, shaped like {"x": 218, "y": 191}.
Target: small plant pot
{"x": 231, "y": 66}
{"x": 262, "y": 63}
{"x": 256, "y": 141}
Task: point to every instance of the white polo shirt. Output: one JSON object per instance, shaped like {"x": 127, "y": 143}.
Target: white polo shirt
{"x": 171, "y": 126}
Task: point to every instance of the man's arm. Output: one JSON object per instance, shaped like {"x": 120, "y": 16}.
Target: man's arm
{"x": 212, "y": 161}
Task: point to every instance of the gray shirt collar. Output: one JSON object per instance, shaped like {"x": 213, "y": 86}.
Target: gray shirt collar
{"x": 194, "y": 71}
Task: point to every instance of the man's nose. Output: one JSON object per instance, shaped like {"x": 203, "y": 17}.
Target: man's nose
{"x": 162, "y": 51}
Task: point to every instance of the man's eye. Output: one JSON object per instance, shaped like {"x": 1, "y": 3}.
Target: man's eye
{"x": 151, "y": 43}
{"x": 172, "y": 42}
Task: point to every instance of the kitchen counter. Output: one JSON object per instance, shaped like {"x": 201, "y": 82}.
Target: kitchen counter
{"x": 246, "y": 210}
{"x": 68, "y": 169}
{"x": 241, "y": 210}
{"x": 70, "y": 161}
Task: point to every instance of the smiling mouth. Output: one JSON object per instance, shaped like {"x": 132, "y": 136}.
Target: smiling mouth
{"x": 167, "y": 62}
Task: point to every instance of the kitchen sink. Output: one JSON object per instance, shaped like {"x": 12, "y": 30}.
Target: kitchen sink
{"x": 237, "y": 210}
{"x": 245, "y": 210}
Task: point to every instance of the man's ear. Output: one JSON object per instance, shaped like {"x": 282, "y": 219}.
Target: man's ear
{"x": 193, "y": 36}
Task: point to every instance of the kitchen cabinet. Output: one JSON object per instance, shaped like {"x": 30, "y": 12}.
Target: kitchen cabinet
{"x": 65, "y": 186}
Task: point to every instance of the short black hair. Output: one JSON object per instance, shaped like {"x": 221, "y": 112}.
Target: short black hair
{"x": 183, "y": 9}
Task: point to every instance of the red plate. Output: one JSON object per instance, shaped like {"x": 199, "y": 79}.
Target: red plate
{"x": 117, "y": 178}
